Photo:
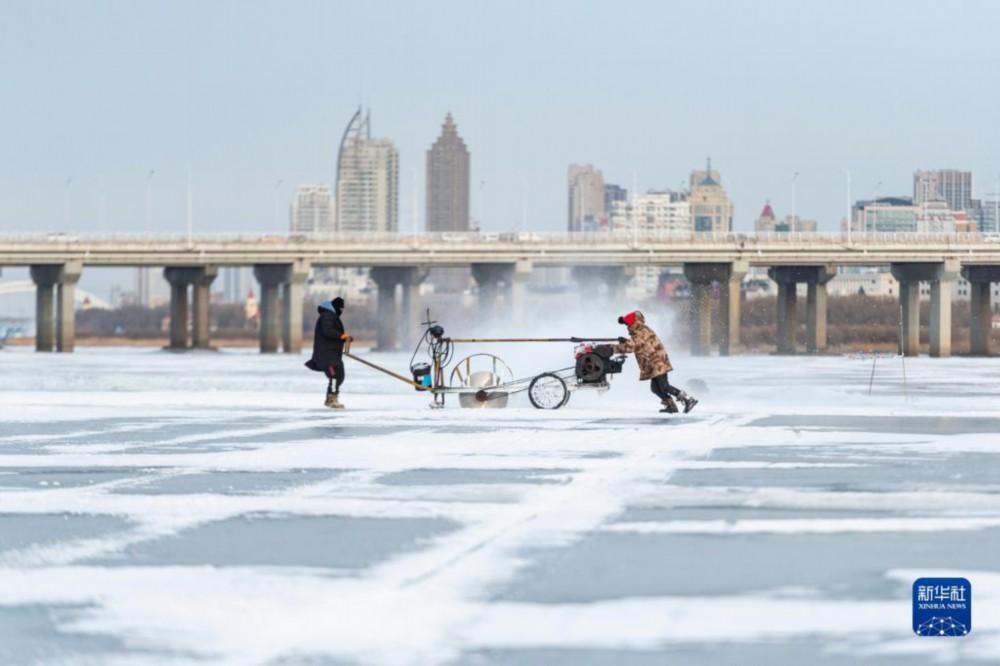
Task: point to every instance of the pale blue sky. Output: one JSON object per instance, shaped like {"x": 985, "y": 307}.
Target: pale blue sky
{"x": 252, "y": 92}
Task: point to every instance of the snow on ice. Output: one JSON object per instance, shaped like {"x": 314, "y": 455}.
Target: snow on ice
{"x": 205, "y": 508}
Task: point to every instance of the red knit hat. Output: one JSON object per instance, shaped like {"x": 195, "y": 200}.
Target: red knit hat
{"x": 628, "y": 319}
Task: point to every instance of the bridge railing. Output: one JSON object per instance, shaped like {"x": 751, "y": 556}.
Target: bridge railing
{"x": 583, "y": 238}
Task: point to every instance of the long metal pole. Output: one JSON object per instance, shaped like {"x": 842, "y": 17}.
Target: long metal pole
{"x": 574, "y": 339}
{"x": 849, "y": 209}
{"x": 795, "y": 194}
{"x": 419, "y": 387}
{"x": 635, "y": 214}
{"x": 144, "y": 271}
{"x": 277, "y": 188}
{"x": 103, "y": 204}
{"x": 149, "y": 200}
{"x": 190, "y": 206}
{"x": 67, "y": 206}
{"x": 416, "y": 205}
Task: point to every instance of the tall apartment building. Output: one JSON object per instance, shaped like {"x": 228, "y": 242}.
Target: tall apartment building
{"x": 952, "y": 186}
{"x": 143, "y": 277}
{"x": 903, "y": 215}
{"x": 586, "y": 198}
{"x": 987, "y": 214}
{"x": 612, "y": 195}
{"x": 236, "y": 283}
{"x": 367, "y": 180}
{"x": 448, "y": 181}
{"x": 711, "y": 209}
{"x": 312, "y": 211}
{"x": 653, "y": 212}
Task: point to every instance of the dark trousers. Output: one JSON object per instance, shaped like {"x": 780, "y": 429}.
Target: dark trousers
{"x": 662, "y": 388}
{"x": 335, "y": 371}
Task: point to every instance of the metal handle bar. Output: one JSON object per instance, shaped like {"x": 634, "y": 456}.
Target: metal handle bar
{"x": 573, "y": 339}
{"x": 419, "y": 387}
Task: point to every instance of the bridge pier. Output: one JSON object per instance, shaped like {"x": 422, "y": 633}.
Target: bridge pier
{"x": 488, "y": 278}
{"x": 816, "y": 315}
{"x": 786, "y": 313}
{"x": 396, "y": 321}
{"x": 293, "y": 292}
{"x": 703, "y": 277}
{"x": 730, "y": 306}
{"x": 939, "y": 275}
{"x": 44, "y": 302}
{"x": 202, "y": 296}
{"x": 55, "y": 308}
{"x": 66, "y": 306}
{"x": 45, "y": 278}
{"x": 788, "y": 279}
{"x": 409, "y": 306}
{"x": 507, "y": 280}
{"x": 178, "y": 307}
{"x": 609, "y": 281}
{"x": 281, "y": 323}
{"x": 199, "y": 278}
{"x": 980, "y": 278}
{"x": 517, "y": 289}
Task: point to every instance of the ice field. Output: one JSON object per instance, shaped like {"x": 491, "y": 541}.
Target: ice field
{"x": 158, "y": 508}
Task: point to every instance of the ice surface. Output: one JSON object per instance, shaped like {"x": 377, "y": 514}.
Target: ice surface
{"x": 205, "y": 508}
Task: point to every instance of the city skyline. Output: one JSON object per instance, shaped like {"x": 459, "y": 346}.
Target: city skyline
{"x": 221, "y": 107}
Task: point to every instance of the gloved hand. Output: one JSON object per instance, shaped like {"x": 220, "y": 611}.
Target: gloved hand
{"x": 622, "y": 340}
{"x": 346, "y": 338}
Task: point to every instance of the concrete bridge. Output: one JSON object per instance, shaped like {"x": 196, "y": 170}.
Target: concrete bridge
{"x": 501, "y": 264}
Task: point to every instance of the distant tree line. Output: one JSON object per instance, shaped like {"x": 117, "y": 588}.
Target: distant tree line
{"x": 854, "y": 323}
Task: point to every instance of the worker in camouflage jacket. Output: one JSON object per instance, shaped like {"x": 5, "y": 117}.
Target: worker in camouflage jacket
{"x": 654, "y": 364}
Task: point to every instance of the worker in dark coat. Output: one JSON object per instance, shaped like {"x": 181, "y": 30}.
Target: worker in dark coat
{"x": 328, "y": 348}
{"x": 654, "y": 364}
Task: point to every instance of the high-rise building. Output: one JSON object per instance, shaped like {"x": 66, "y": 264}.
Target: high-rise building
{"x": 654, "y": 211}
{"x": 586, "y": 198}
{"x": 711, "y": 209}
{"x": 651, "y": 213}
{"x": 699, "y": 175}
{"x": 236, "y": 283}
{"x": 312, "y": 211}
{"x": 612, "y": 195}
{"x": 448, "y": 181}
{"x": 367, "y": 180}
{"x": 143, "y": 276}
{"x": 903, "y": 215}
{"x": 767, "y": 222}
{"x": 952, "y": 186}
{"x": 987, "y": 214}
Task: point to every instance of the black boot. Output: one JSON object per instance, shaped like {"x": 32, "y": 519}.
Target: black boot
{"x": 688, "y": 401}
{"x": 669, "y": 406}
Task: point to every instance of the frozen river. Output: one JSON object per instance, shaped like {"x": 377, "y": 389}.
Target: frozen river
{"x": 205, "y": 508}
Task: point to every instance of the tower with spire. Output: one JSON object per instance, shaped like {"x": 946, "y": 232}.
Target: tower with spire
{"x": 766, "y": 221}
{"x": 448, "y": 181}
{"x": 711, "y": 209}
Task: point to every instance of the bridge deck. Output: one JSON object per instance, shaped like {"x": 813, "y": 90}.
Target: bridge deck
{"x": 459, "y": 249}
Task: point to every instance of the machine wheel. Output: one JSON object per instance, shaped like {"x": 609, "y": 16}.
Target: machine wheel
{"x": 548, "y": 391}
